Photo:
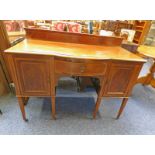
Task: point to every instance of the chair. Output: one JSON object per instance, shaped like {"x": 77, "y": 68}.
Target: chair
{"x": 59, "y": 26}
{"x": 74, "y": 27}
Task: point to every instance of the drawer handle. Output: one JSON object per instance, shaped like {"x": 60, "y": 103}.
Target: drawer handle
{"x": 48, "y": 80}
{"x": 83, "y": 68}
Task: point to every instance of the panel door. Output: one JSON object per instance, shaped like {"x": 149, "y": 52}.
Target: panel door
{"x": 120, "y": 78}
{"x": 33, "y": 75}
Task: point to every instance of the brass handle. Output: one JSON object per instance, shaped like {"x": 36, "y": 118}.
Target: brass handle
{"x": 82, "y": 68}
{"x": 48, "y": 80}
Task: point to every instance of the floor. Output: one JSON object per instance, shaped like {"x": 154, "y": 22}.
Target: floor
{"x": 74, "y": 113}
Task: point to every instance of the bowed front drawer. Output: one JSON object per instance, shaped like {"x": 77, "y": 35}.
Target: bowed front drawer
{"x": 95, "y": 68}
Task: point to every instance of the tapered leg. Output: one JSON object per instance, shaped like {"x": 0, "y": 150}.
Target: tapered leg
{"x": 124, "y": 102}
{"x": 25, "y": 100}
{"x": 0, "y": 112}
{"x": 78, "y": 84}
{"x": 53, "y": 107}
{"x": 97, "y": 106}
{"x": 22, "y": 108}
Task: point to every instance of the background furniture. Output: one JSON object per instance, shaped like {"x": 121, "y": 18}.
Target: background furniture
{"x": 150, "y": 38}
{"x": 38, "y": 64}
{"x": 116, "y": 26}
{"x": 130, "y": 46}
{"x": 4, "y": 75}
{"x": 4, "y": 87}
{"x": 141, "y": 27}
{"x": 148, "y": 52}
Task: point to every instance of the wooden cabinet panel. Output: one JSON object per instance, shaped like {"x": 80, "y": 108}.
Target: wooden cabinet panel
{"x": 33, "y": 74}
{"x": 119, "y": 79}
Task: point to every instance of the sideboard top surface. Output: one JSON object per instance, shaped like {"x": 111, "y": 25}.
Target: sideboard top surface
{"x": 73, "y": 50}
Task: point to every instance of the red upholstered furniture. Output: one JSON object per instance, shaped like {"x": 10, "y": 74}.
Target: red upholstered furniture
{"x": 59, "y": 26}
{"x": 74, "y": 27}
{"x": 12, "y": 26}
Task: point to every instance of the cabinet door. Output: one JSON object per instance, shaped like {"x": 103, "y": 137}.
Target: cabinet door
{"x": 120, "y": 78}
{"x": 33, "y": 75}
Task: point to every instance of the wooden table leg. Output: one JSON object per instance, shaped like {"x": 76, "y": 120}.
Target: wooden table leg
{"x": 25, "y": 100}
{"x": 22, "y": 108}
{"x": 98, "y": 102}
{"x": 99, "y": 98}
{"x": 78, "y": 84}
{"x": 53, "y": 107}
{"x": 124, "y": 102}
{"x": 149, "y": 78}
{"x": 54, "y": 83}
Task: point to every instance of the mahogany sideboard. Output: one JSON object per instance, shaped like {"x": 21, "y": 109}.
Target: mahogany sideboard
{"x": 44, "y": 56}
